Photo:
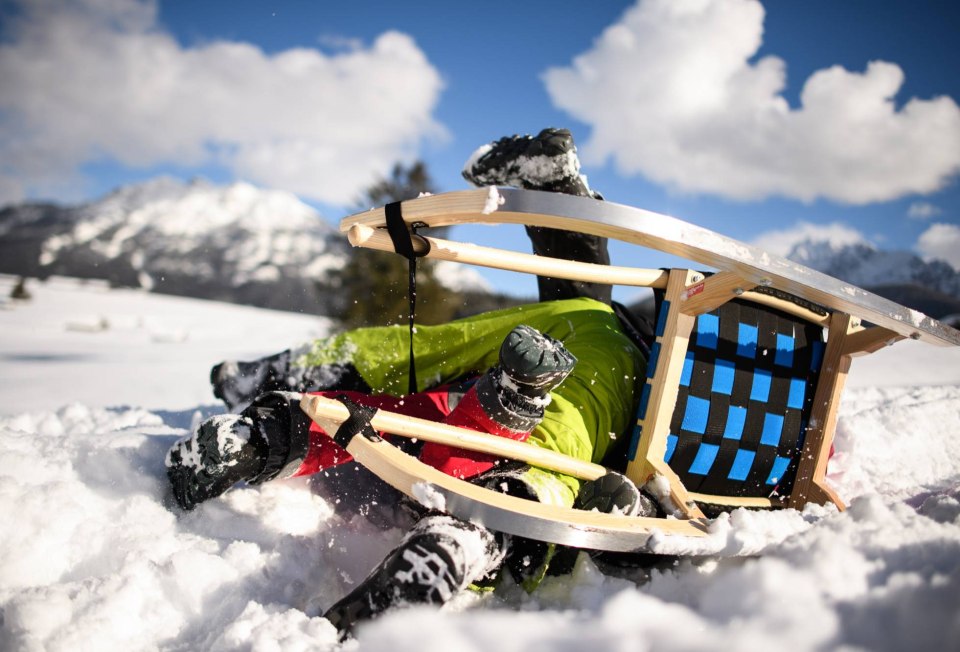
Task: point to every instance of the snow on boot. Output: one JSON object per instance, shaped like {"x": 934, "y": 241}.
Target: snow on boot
{"x": 531, "y": 365}
{"x": 224, "y": 450}
{"x": 439, "y": 557}
{"x": 614, "y": 493}
{"x": 547, "y": 161}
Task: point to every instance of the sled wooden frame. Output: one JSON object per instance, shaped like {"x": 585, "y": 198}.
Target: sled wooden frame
{"x": 858, "y": 323}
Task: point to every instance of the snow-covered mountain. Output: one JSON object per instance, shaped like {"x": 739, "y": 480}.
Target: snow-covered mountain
{"x": 867, "y": 266}
{"x": 932, "y": 287}
{"x": 237, "y": 243}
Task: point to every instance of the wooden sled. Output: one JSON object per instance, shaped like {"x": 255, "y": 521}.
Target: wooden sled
{"x": 767, "y": 447}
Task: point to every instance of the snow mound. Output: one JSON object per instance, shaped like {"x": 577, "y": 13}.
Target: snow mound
{"x": 92, "y": 557}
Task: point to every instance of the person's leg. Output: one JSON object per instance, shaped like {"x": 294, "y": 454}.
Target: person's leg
{"x": 238, "y": 383}
{"x": 273, "y": 438}
{"x": 442, "y": 555}
{"x": 547, "y": 162}
{"x": 570, "y": 245}
{"x": 507, "y": 401}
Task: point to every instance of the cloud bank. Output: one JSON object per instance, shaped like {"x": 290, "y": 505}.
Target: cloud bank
{"x": 921, "y": 210}
{"x": 782, "y": 241}
{"x": 942, "y": 242}
{"x": 673, "y": 92}
{"x": 100, "y": 80}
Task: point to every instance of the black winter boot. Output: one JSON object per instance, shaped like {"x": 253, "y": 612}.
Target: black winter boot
{"x": 224, "y": 450}
{"x": 515, "y": 392}
{"x": 547, "y": 161}
{"x": 440, "y": 557}
{"x": 533, "y": 363}
{"x": 269, "y": 439}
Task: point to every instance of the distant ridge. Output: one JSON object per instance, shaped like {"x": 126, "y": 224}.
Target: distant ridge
{"x": 234, "y": 243}
{"x": 869, "y": 267}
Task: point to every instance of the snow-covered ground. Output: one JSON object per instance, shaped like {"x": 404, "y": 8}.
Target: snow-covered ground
{"x": 95, "y": 384}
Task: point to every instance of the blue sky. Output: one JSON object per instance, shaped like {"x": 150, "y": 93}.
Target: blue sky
{"x": 767, "y": 122}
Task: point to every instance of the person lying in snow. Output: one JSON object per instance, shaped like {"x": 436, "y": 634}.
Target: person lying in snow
{"x": 561, "y": 373}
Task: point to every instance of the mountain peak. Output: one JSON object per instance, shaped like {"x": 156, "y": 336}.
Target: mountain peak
{"x": 176, "y": 207}
{"x": 194, "y": 238}
{"x": 864, "y": 265}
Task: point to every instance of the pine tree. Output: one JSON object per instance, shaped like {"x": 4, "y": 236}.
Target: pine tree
{"x": 20, "y": 291}
{"x": 374, "y": 283}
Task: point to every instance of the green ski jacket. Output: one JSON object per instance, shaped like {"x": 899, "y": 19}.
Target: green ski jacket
{"x": 587, "y": 412}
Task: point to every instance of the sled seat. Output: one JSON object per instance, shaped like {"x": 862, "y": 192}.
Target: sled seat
{"x": 740, "y": 403}
{"x": 744, "y": 399}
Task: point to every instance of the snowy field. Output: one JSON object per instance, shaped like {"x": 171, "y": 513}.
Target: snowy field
{"x": 95, "y": 385}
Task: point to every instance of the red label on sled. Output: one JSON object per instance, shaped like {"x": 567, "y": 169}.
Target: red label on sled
{"x": 694, "y": 291}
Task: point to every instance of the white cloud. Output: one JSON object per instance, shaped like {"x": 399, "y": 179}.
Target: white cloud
{"x": 672, "y": 92}
{"x": 921, "y": 210}
{"x": 100, "y": 79}
{"x": 782, "y": 242}
{"x": 942, "y": 242}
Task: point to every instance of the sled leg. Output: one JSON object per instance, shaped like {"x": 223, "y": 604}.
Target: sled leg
{"x": 810, "y": 484}
{"x": 659, "y": 397}
{"x": 846, "y": 340}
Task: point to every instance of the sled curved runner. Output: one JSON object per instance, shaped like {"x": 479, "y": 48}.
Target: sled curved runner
{"x": 689, "y": 296}
{"x": 494, "y": 510}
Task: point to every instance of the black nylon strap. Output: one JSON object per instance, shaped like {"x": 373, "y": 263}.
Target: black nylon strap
{"x": 399, "y": 233}
{"x": 358, "y": 423}
{"x": 403, "y": 245}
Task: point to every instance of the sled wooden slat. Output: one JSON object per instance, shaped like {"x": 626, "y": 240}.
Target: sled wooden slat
{"x": 440, "y": 249}
{"x": 704, "y": 295}
{"x": 811, "y": 484}
{"x": 861, "y": 341}
{"x": 329, "y": 414}
{"x": 737, "y": 501}
{"x": 495, "y": 510}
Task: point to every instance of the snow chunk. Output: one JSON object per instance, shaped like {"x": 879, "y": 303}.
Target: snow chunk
{"x": 428, "y": 496}
{"x": 494, "y": 200}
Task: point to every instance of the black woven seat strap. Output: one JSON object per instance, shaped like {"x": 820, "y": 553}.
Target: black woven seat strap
{"x": 403, "y": 245}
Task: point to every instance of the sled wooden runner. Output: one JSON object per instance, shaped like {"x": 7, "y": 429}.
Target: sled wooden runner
{"x": 857, "y": 322}
{"x": 495, "y": 510}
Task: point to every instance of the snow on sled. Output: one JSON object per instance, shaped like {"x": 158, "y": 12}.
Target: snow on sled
{"x": 743, "y": 381}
